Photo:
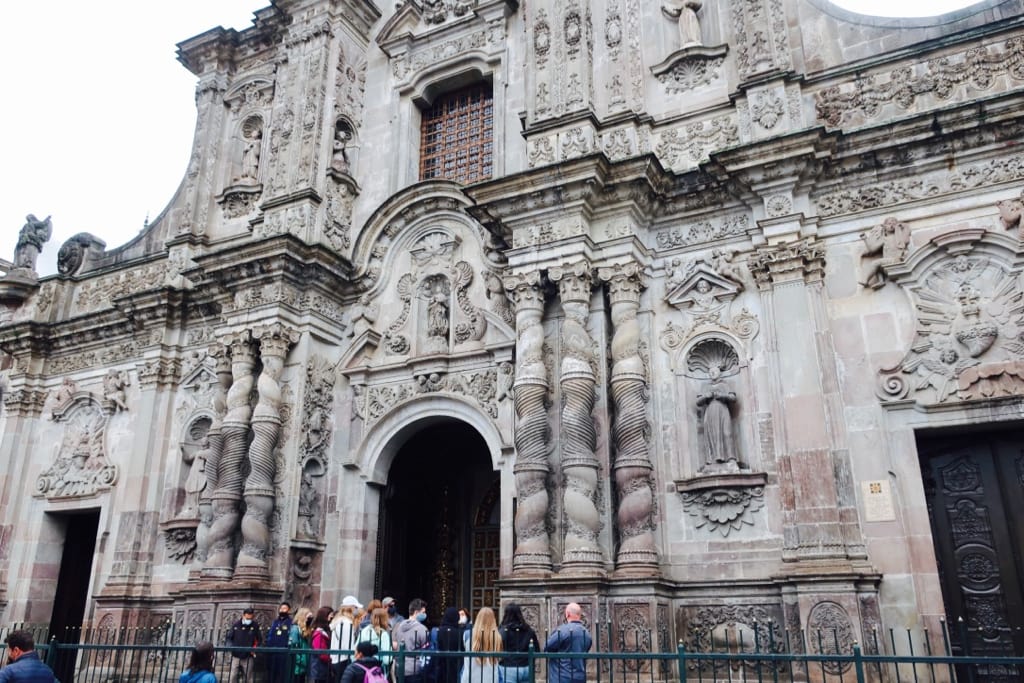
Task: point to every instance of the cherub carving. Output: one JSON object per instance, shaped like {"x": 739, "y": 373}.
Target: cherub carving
{"x": 114, "y": 384}
{"x": 884, "y": 245}
{"x": 1010, "y": 211}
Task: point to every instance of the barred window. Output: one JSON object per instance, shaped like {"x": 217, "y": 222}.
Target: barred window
{"x": 456, "y": 136}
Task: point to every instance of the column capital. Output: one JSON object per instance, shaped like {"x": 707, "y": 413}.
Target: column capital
{"x": 790, "y": 262}
{"x": 625, "y": 282}
{"x": 275, "y": 339}
{"x": 573, "y": 280}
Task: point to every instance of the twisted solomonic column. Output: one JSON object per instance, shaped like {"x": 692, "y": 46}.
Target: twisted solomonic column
{"x": 532, "y": 431}
{"x": 275, "y": 341}
{"x": 215, "y": 435}
{"x": 226, "y": 499}
{"x": 582, "y": 552}
{"x": 637, "y": 554}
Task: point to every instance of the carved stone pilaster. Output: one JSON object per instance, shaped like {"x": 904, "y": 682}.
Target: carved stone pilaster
{"x": 227, "y": 497}
{"x": 579, "y": 437}
{"x": 532, "y": 431}
{"x": 794, "y": 262}
{"x": 159, "y": 372}
{"x": 631, "y": 429}
{"x": 275, "y": 341}
{"x": 215, "y": 437}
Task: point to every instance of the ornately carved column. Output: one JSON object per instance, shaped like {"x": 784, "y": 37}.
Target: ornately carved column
{"x": 582, "y": 552}
{"x": 227, "y": 497}
{"x": 532, "y": 432}
{"x": 215, "y": 436}
{"x": 637, "y": 553}
{"x": 275, "y": 340}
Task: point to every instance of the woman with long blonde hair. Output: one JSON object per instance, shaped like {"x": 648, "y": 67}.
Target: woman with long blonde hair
{"x": 485, "y": 638}
{"x": 299, "y": 638}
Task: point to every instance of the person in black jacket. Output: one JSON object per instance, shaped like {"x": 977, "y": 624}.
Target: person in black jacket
{"x": 448, "y": 639}
{"x": 366, "y": 659}
{"x": 244, "y": 633}
{"x": 516, "y": 639}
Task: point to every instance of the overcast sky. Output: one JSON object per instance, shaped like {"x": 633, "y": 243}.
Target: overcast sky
{"x": 99, "y": 114}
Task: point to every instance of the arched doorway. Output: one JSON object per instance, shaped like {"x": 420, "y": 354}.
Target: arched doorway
{"x": 438, "y": 531}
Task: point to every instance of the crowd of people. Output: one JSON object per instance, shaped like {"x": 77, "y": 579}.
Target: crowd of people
{"x": 358, "y": 644}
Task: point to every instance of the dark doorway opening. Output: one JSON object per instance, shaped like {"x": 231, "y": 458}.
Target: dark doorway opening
{"x": 439, "y": 522}
{"x": 974, "y": 486}
{"x": 72, "y": 592}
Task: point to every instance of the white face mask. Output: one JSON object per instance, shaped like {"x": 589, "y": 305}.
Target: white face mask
{"x": 463, "y": 620}
{"x": 246, "y": 621}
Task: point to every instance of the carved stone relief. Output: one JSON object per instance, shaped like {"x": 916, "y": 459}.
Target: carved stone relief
{"x": 694, "y": 142}
{"x": 884, "y": 245}
{"x": 81, "y": 467}
{"x": 1010, "y": 211}
{"x": 969, "y": 339}
{"x": 831, "y": 619}
{"x": 732, "y": 628}
{"x": 714, "y": 361}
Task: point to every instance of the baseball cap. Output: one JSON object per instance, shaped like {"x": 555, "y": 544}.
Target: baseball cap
{"x": 387, "y": 601}
{"x": 350, "y": 601}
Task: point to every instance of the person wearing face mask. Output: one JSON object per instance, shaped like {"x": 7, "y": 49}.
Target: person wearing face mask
{"x": 394, "y": 618}
{"x": 412, "y": 635}
{"x": 245, "y": 633}
{"x": 277, "y": 636}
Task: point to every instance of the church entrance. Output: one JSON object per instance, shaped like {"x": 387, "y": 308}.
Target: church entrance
{"x": 72, "y": 593}
{"x": 439, "y": 522}
{"x": 975, "y": 491}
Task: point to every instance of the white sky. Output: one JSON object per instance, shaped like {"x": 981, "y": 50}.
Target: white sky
{"x": 98, "y": 114}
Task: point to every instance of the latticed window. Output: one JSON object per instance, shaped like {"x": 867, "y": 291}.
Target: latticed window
{"x": 456, "y": 136}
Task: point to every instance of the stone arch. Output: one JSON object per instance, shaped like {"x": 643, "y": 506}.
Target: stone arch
{"x": 391, "y": 432}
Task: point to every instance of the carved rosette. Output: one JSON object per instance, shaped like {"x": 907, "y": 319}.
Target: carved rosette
{"x": 631, "y": 429}
{"x": 723, "y": 502}
{"x": 579, "y": 436}
{"x": 226, "y": 498}
{"x": 275, "y": 341}
{"x": 532, "y": 431}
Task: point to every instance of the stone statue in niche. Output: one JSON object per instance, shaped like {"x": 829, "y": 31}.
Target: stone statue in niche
{"x": 340, "y": 161}
{"x": 252, "y": 139}
{"x": 715, "y": 403}
{"x": 685, "y": 11}
{"x": 309, "y": 504}
{"x": 196, "y": 482}
{"x": 34, "y": 234}
{"x": 435, "y": 290}
{"x": 884, "y": 245}
{"x": 713, "y": 360}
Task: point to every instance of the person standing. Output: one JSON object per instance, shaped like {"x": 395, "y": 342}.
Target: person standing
{"x": 343, "y": 635}
{"x": 376, "y": 633}
{"x": 364, "y": 662}
{"x": 448, "y": 638}
{"x": 299, "y": 638}
{"x": 23, "y": 663}
{"x": 244, "y": 633}
{"x": 277, "y": 636}
{"x": 394, "y": 618}
{"x": 411, "y": 635}
{"x": 516, "y": 639}
{"x": 200, "y": 665}
{"x": 570, "y": 637}
{"x": 320, "y": 659}
{"x": 485, "y": 638}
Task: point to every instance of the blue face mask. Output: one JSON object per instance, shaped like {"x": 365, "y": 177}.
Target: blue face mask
{"x": 422, "y": 616}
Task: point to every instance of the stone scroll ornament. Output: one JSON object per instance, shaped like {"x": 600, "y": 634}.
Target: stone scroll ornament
{"x": 579, "y": 436}
{"x": 969, "y": 340}
{"x": 227, "y": 497}
{"x": 275, "y": 340}
{"x": 631, "y": 430}
{"x": 532, "y": 431}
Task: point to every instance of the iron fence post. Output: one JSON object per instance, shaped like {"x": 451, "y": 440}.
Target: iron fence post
{"x": 681, "y": 656}
{"x": 51, "y": 652}
{"x": 400, "y": 664}
{"x": 858, "y": 662}
{"x": 532, "y": 662}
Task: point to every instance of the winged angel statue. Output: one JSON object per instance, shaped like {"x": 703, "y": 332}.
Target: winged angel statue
{"x": 970, "y": 312}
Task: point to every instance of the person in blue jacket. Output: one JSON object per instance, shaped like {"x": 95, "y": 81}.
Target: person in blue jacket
{"x": 200, "y": 665}
{"x": 23, "y": 663}
{"x": 572, "y": 636}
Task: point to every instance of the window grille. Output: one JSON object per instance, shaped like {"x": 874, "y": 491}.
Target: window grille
{"x": 456, "y": 136}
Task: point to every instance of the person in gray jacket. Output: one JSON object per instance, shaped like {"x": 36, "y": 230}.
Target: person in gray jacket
{"x": 412, "y": 635}
{"x": 572, "y": 636}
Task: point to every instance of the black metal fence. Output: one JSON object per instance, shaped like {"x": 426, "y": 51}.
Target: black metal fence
{"x": 161, "y": 655}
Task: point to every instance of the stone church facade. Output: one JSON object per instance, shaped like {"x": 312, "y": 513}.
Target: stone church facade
{"x": 703, "y": 317}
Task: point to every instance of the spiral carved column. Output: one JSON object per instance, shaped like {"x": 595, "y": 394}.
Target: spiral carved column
{"x": 582, "y": 552}
{"x": 637, "y": 554}
{"x": 275, "y": 341}
{"x": 215, "y": 435}
{"x": 532, "y": 431}
{"x": 227, "y": 497}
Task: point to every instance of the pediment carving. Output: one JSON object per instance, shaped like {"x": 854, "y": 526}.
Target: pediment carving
{"x": 81, "y": 467}
{"x": 968, "y": 298}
